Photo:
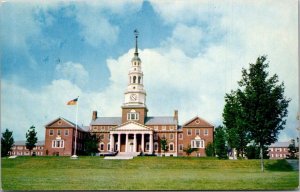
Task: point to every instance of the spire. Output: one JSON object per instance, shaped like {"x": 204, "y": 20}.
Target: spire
{"x": 136, "y": 34}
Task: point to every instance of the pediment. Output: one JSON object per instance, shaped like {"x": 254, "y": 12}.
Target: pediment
{"x": 60, "y": 122}
{"x": 197, "y": 122}
{"x": 132, "y": 126}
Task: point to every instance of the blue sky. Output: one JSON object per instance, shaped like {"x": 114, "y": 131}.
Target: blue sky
{"x": 192, "y": 53}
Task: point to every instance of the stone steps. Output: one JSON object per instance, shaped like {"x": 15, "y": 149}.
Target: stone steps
{"x": 123, "y": 155}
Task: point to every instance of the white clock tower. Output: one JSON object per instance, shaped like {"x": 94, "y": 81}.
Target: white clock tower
{"x": 135, "y": 95}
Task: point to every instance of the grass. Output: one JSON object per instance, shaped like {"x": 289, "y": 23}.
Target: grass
{"x": 145, "y": 173}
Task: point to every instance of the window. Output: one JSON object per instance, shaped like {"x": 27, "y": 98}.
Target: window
{"x": 163, "y": 136}
{"x": 155, "y": 146}
{"x": 180, "y": 136}
{"x": 171, "y": 147}
{"x": 66, "y": 132}
{"x": 58, "y": 132}
{"x": 155, "y": 127}
{"x": 139, "y": 81}
{"x": 171, "y": 127}
{"x": 171, "y": 136}
{"x": 58, "y": 143}
{"x": 164, "y": 128}
{"x": 101, "y": 146}
{"x": 51, "y": 132}
{"x": 155, "y": 136}
{"x": 206, "y": 132}
{"x": 132, "y": 115}
{"x": 189, "y": 132}
{"x": 180, "y": 147}
{"x": 197, "y": 143}
{"x": 271, "y": 149}
{"x": 108, "y": 147}
{"x": 147, "y": 146}
{"x": 197, "y": 131}
{"x": 134, "y": 79}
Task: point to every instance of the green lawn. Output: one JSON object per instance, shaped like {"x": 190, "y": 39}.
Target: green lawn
{"x": 145, "y": 173}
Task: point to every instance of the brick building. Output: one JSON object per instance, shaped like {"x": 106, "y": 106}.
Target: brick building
{"x": 19, "y": 149}
{"x": 60, "y": 137}
{"x": 279, "y": 150}
{"x": 134, "y": 131}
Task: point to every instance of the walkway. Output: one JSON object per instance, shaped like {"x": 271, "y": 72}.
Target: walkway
{"x": 123, "y": 156}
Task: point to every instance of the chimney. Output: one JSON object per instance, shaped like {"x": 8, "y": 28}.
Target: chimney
{"x": 176, "y": 115}
{"x": 94, "y": 115}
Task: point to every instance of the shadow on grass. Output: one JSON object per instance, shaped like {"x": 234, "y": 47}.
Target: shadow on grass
{"x": 278, "y": 165}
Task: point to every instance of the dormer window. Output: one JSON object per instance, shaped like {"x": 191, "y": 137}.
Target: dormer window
{"x": 132, "y": 115}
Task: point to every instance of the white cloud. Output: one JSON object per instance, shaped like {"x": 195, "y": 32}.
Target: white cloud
{"x": 194, "y": 84}
{"x": 96, "y": 26}
{"x": 21, "y": 107}
{"x": 250, "y": 29}
{"x": 186, "y": 38}
{"x": 74, "y": 72}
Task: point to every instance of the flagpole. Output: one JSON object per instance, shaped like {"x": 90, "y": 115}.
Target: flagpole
{"x": 75, "y": 147}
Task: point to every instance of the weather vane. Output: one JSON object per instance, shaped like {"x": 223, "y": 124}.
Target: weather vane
{"x": 136, "y": 33}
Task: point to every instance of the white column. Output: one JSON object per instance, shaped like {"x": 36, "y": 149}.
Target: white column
{"x": 126, "y": 144}
{"x": 112, "y": 142}
{"x": 151, "y": 143}
{"x": 134, "y": 142}
{"x": 119, "y": 142}
{"x": 143, "y": 141}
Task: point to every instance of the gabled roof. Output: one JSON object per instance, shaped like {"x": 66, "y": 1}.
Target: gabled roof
{"x": 281, "y": 144}
{"x": 68, "y": 124}
{"x": 168, "y": 120}
{"x": 107, "y": 121}
{"x": 197, "y": 122}
{"x": 132, "y": 125}
{"x": 39, "y": 143}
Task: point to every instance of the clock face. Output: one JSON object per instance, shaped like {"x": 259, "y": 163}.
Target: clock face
{"x": 133, "y": 97}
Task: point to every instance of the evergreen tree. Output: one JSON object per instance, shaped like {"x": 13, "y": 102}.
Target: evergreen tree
{"x": 189, "y": 150}
{"x": 91, "y": 143}
{"x": 220, "y": 143}
{"x": 164, "y": 145}
{"x": 292, "y": 150}
{"x": 210, "y": 150}
{"x": 263, "y": 104}
{"x": 238, "y": 135}
{"x": 7, "y": 142}
{"x": 31, "y": 139}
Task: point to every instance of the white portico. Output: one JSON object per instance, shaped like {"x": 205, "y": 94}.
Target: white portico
{"x": 131, "y": 137}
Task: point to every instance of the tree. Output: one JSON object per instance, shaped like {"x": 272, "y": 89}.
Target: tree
{"x": 210, "y": 150}
{"x": 7, "y": 141}
{"x": 164, "y": 144}
{"x": 31, "y": 138}
{"x": 238, "y": 135}
{"x": 292, "y": 150}
{"x": 189, "y": 150}
{"x": 91, "y": 143}
{"x": 263, "y": 104}
{"x": 220, "y": 143}
{"x": 253, "y": 152}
